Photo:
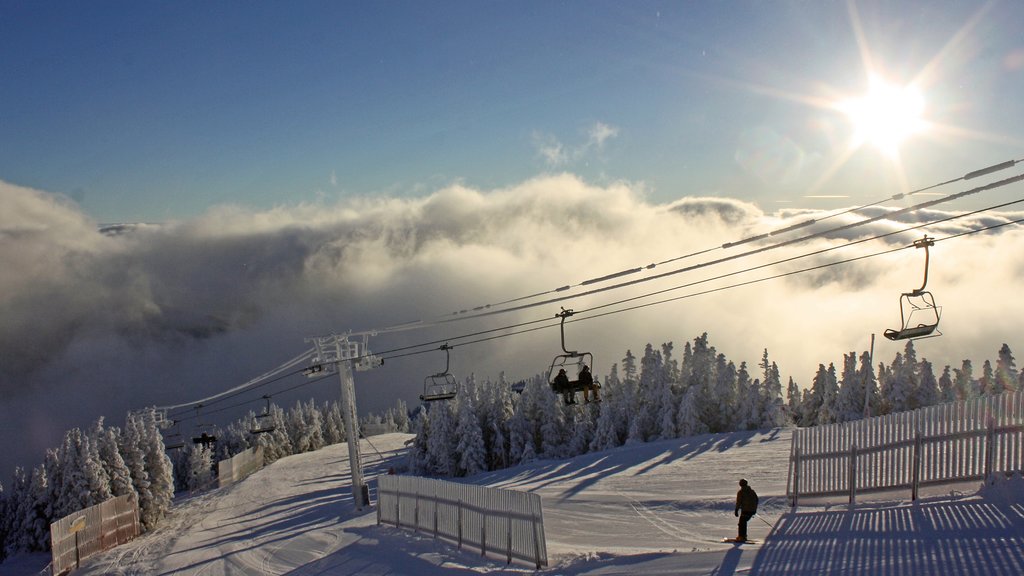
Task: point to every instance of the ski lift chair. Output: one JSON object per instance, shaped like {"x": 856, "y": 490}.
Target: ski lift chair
{"x": 919, "y": 314}
{"x": 206, "y": 438}
{"x": 570, "y": 358}
{"x": 264, "y": 422}
{"x": 440, "y": 386}
{"x": 174, "y": 440}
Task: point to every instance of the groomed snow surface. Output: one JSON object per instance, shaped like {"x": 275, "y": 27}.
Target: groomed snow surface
{"x": 656, "y": 508}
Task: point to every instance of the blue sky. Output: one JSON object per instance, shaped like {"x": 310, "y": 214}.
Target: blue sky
{"x": 158, "y": 110}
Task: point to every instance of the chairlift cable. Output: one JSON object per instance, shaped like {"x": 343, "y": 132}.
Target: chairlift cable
{"x": 488, "y": 309}
{"x": 263, "y": 380}
{"x": 676, "y": 298}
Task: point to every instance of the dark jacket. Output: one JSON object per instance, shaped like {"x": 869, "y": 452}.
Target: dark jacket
{"x": 746, "y": 500}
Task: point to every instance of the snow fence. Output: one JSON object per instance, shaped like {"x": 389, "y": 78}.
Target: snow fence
{"x": 239, "y": 466}
{"x": 492, "y": 520}
{"x": 78, "y": 536}
{"x": 944, "y": 444}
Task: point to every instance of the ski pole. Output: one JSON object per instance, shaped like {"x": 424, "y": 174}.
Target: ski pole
{"x": 772, "y": 526}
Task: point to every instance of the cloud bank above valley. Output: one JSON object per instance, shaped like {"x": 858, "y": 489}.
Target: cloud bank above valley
{"x": 98, "y": 322}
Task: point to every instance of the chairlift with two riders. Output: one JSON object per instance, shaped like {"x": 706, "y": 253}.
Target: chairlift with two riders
{"x": 568, "y": 358}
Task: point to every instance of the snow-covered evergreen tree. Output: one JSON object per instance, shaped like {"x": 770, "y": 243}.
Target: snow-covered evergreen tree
{"x": 1006, "y": 376}
{"x": 688, "y": 422}
{"x": 723, "y": 415}
{"x": 771, "y": 412}
{"x": 200, "y": 467}
{"x": 987, "y": 382}
{"x": 106, "y": 442}
{"x": 850, "y": 399}
{"x": 897, "y": 387}
{"x": 927, "y": 393}
{"x": 793, "y": 398}
{"x": 39, "y": 512}
{"x": 612, "y": 423}
{"x": 441, "y": 442}
{"x": 470, "y": 448}
{"x": 161, "y": 474}
{"x": 964, "y": 386}
{"x": 947, "y": 392}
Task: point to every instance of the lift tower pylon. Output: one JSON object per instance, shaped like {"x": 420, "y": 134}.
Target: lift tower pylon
{"x": 337, "y": 353}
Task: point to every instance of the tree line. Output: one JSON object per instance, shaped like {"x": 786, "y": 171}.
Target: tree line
{"x": 93, "y": 465}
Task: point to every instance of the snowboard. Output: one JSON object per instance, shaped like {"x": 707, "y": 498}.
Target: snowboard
{"x": 735, "y": 541}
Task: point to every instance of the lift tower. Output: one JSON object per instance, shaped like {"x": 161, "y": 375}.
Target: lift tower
{"x": 339, "y": 353}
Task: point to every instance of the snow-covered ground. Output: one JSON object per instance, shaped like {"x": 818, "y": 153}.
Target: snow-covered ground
{"x": 657, "y": 508}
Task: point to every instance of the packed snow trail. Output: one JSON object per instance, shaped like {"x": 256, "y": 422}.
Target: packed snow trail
{"x": 643, "y": 509}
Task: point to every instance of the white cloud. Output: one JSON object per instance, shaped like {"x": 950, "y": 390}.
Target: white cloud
{"x": 557, "y": 155}
{"x": 92, "y": 324}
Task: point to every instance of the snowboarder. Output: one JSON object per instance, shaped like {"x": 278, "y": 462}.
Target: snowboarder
{"x": 746, "y": 507}
{"x": 561, "y": 384}
{"x": 588, "y": 385}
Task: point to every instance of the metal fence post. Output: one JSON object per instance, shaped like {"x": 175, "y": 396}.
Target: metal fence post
{"x": 853, "y": 474}
{"x": 483, "y": 534}
{"x": 990, "y": 446}
{"x": 796, "y": 477}
{"x": 460, "y": 523}
{"x": 509, "y": 543}
{"x": 916, "y": 472}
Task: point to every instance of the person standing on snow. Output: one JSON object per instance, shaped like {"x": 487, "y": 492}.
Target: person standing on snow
{"x": 746, "y": 507}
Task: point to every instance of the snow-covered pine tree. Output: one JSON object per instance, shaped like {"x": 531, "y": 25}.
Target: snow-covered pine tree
{"x": 894, "y": 388}
{"x": 724, "y": 397}
{"x": 19, "y": 501}
{"x": 772, "y": 415}
{"x": 812, "y": 405}
{"x": 419, "y": 459}
{"x": 314, "y": 426}
{"x": 946, "y": 390}
{"x": 298, "y": 434}
{"x": 987, "y": 382}
{"x": 867, "y": 376}
{"x": 747, "y": 413}
{"x": 472, "y": 456}
{"x": 610, "y": 427}
{"x": 39, "y": 512}
{"x": 850, "y": 399}
{"x": 793, "y": 403}
{"x": 331, "y": 430}
{"x": 161, "y": 473}
{"x": 688, "y": 422}
{"x": 964, "y": 386}
{"x": 1006, "y": 376}
{"x": 401, "y": 416}
{"x": 200, "y": 467}
{"x": 106, "y": 442}
{"x": 582, "y": 431}
{"x": 646, "y": 408}
{"x": 927, "y": 393}
{"x": 668, "y": 398}
{"x": 524, "y": 429}
{"x": 441, "y": 442}
{"x": 554, "y": 426}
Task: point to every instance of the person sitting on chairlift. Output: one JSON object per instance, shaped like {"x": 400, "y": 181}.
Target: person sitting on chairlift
{"x": 561, "y": 384}
{"x": 588, "y": 385}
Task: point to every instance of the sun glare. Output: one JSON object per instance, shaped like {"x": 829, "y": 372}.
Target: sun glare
{"x": 885, "y": 117}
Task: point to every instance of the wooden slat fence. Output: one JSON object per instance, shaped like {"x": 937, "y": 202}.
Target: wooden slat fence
{"x": 491, "y": 520}
{"x": 239, "y": 466}
{"x": 956, "y": 442}
{"x": 78, "y": 536}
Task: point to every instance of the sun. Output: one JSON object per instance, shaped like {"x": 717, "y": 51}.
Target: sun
{"x": 885, "y": 117}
